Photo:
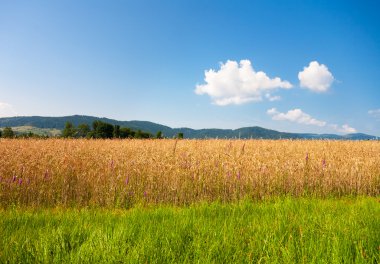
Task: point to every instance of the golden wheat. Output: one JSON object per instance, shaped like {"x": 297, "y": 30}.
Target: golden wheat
{"x": 119, "y": 173}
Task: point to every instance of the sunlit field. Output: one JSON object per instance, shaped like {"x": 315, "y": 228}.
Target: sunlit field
{"x": 159, "y": 201}
{"x": 120, "y": 173}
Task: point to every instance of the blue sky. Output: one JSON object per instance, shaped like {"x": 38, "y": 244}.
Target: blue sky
{"x": 198, "y": 64}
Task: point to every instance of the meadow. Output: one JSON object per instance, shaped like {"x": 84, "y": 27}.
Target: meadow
{"x": 301, "y": 230}
{"x": 218, "y": 201}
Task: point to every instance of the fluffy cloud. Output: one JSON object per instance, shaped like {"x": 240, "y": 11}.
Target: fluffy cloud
{"x": 295, "y": 115}
{"x": 343, "y": 129}
{"x": 238, "y": 83}
{"x": 6, "y": 110}
{"x": 316, "y": 77}
{"x": 272, "y": 98}
{"x": 375, "y": 113}
{"x": 298, "y": 116}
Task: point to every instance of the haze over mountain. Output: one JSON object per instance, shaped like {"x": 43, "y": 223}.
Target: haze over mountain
{"x": 244, "y": 132}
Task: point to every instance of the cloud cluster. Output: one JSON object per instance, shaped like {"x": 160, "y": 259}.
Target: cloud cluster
{"x": 295, "y": 115}
{"x": 238, "y": 83}
{"x": 6, "y": 110}
{"x": 375, "y": 113}
{"x": 346, "y": 129}
{"x": 316, "y": 77}
{"x": 298, "y": 116}
{"x": 272, "y": 98}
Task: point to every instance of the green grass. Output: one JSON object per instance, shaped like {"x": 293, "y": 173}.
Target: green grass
{"x": 288, "y": 230}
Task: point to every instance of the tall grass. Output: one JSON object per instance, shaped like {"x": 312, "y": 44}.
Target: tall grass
{"x": 303, "y": 230}
{"x": 121, "y": 173}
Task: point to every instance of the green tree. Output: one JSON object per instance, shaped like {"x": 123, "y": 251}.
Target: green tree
{"x": 126, "y": 132}
{"x": 141, "y": 134}
{"x": 179, "y": 135}
{"x": 159, "y": 135}
{"x": 146, "y": 135}
{"x": 31, "y": 134}
{"x": 8, "y": 132}
{"x": 102, "y": 129}
{"x": 69, "y": 130}
{"x": 0, "y": 133}
{"x": 138, "y": 134}
{"x": 83, "y": 130}
{"x": 116, "y": 131}
{"x": 28, "y": 135}
{"x": 91, "y": 134}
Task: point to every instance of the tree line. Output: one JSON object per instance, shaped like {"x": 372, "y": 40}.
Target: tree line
{"x": 99, "y": 129}
{"x": 8, "y": 132}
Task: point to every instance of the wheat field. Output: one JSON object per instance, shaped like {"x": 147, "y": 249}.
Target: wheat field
{"x": 122, "y": 173}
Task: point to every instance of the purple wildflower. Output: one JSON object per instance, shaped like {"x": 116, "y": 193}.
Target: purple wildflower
{"x": 14, "y": 178}
{"x": 46, "y": 175}
{"x": 307, "y": 157}
{"x": 126, "y": 180}
{"x": 20, "y": 181}
{"x": 323, "y": 163}
{"x": 238, "y": 175}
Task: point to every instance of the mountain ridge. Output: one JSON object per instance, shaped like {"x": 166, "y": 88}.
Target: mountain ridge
{"x": 151, "y": 127}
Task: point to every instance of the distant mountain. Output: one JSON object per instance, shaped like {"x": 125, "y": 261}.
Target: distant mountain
{"x": 359, "y": 136}
{"x": 245, "y": 132}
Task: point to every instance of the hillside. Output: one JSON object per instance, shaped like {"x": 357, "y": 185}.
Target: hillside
{"x": 51, "y": 132}
{"x": 47, "y": 124}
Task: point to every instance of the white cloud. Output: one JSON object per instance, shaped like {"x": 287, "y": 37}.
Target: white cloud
{"x": 343, "y": 129}
{"x": 316, "y": 77}
{"x": 272, "y": 98}
{"x": 6, "y": 110}
{"x": 347, "y": 129}
{"x": 272, "y": 111}
{"x": 238, "y": 83}
{"x": 295, "y": 115}
{"x": 298, "y": 116}
{"x": 235, "y": 100}
{"x": 375, "y": 113}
